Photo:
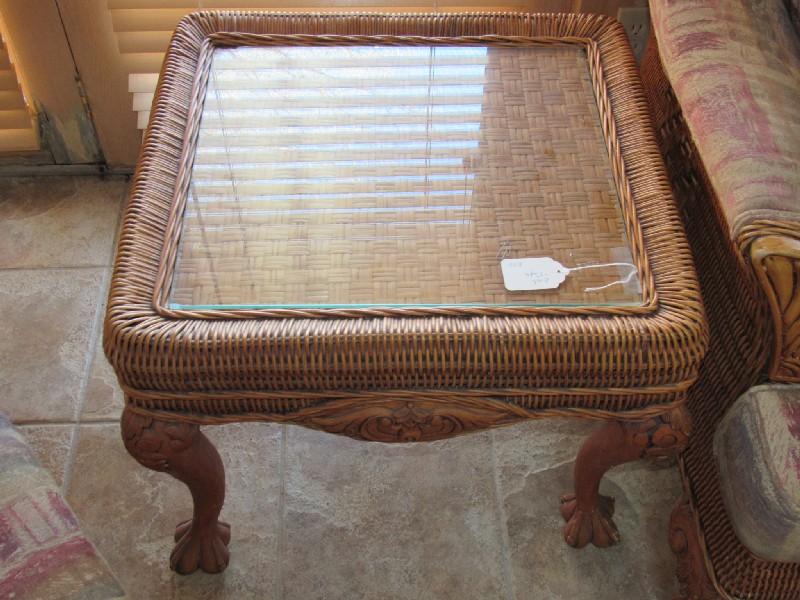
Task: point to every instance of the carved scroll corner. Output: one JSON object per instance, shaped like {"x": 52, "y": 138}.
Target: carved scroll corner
{"x": 693, "y": 579}
{"x": 776, "y": 261}
{"x": 665, "y": 436}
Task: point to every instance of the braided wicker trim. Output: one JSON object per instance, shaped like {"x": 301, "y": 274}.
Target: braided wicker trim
{"x": 229, "y": 39}
{"x": 764, "y": 227}
{"x": 416, "y": 393}
{"x": 318, "y": 395}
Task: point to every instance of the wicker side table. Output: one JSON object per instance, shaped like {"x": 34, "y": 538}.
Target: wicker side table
{"x": 400, "y": 228}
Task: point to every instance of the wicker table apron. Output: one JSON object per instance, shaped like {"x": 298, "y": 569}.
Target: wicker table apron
{"x": 316, "y": 231}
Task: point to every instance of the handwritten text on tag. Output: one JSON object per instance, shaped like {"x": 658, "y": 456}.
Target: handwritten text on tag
{"x": 543, "y": 273}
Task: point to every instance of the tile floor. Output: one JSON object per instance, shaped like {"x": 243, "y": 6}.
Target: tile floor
{"x": 313, "y": 515}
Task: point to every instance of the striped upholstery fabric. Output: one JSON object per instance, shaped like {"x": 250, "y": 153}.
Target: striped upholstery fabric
{"x": 43, "y": 553}
{"x": 757, "y": 446}
{"x": 735, "y": 68}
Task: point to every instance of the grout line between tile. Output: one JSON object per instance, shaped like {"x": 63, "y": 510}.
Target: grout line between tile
{"x": 502, "y": 519}
{"x": 279, "y": 591}
{"x": 53, "y": 268}
{"x": 36, "y": 422}
{"x": 99, "y": 421}
{"x": 97, "y": 326}
{"x": 73, "y": 448}
{"x": 87, "y": 372}
{"x": 123, "y": 200}
{"x": 39, "y": 422}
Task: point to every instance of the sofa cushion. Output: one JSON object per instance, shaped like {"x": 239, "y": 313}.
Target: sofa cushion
{"x": 734, "y": 66}
{"x": 43, "y": 553}
{"x": 757, "y": 446}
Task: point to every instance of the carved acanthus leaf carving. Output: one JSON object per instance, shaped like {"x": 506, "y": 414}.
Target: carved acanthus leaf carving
{"x": 408, "y": 421}
{"x": 153, "y": 442}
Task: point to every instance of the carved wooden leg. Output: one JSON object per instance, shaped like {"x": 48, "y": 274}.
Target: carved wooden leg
{"x": 181, "y": 450}
{"x": 691, "y": 571}
{"x": 587, "y": 513}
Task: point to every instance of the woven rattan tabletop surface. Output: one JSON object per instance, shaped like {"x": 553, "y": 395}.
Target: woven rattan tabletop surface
{"x": 385, "y": 175}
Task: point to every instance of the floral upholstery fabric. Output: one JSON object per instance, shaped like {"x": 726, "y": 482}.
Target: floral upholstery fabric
{"x": 43, "y": 553}
{"x": 757, "y": 446}
{"x": 734, "y": 66}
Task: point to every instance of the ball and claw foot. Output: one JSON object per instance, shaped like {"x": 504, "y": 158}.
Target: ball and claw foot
{"x": 197, "y": 548}
{"x": 180, "y": 449}
{"x": 595, "y": 526}
{"x": 587, "y": 512}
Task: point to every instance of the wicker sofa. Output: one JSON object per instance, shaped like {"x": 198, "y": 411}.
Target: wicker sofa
{"x": 723, "y": 80}
{"x": 43, "y": 552}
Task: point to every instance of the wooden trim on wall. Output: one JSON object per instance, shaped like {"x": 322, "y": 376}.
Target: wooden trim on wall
{"x": 94, "y": 45}
{"x": 45, "y": 65}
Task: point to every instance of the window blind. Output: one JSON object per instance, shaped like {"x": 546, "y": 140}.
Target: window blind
{"x": 143, "y": 27}
{"x": 16, "y": 128}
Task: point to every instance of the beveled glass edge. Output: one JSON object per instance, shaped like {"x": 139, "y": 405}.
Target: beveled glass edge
{"x": 251, "y": 307}
{"x": 205, "y": 49}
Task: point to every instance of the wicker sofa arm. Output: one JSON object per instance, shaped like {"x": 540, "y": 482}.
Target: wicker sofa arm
{"x": 775, "y": 255}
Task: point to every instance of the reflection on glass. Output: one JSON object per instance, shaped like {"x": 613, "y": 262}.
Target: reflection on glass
{"x": 393, "y": 176}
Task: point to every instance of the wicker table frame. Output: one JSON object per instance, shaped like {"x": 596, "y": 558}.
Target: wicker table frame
{"x": 400, "y": 374}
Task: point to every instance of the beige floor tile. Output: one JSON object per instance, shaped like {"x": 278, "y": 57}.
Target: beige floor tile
{"x": 51, "y": 443}
{"x": 45, "y": 335}
{"x": 373, "y": 521}
{"x": 104, "y": 397}
{"x": 58, "y": 221}
{"x": 130, "y": 513}
{"x": 532, "y": 475}
{"x": 472, "y": 517}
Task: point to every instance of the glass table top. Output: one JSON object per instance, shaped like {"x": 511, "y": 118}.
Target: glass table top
{"x": 383, "y": 176}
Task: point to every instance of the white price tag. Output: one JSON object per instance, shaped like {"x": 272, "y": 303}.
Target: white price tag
{"x": 543, "y": 273}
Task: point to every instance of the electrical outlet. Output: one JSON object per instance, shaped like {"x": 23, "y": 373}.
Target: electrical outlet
{"x": 636, "y": 21}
